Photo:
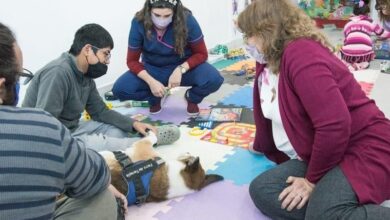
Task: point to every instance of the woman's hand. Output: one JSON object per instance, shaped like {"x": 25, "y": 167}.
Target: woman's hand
{"x": 157, "y": 88}
{"x": 297, "y": 194}
{"x": 142, "y": 127}
{"x": 175, "y": 79}
{"x": 120, "y": 196}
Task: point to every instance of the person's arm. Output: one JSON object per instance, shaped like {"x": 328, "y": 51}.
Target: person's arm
{"x": 133, "y": 60}
{"x": 319, "y": 93}
{"x": 86, "y": 172}
{"x": 134, "y": 51}
{"x": 199, "y": 54}
{"x": 53, "y": 88}
{"x": 135, "y": 66}
{"x": 196, "y": 43}
{"x": 380, "y": 31}
{"x": 264, "y": 141}
{"x": 135, "y": 45}
{"x": 98, "y": 111}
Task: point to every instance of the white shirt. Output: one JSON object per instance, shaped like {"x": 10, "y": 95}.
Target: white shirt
{"x": 268, "y": 87}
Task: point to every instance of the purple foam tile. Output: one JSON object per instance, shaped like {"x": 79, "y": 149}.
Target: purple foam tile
{"x": 222, "y": 200}
{"x": 173, "y": 111}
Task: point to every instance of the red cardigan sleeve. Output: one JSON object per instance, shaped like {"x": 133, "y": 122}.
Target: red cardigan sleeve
{"x": 133, "y": 62}
{"x": 264, "y": 141}
{"x": 199, "y": 53}
{"x": 306, "y": 64}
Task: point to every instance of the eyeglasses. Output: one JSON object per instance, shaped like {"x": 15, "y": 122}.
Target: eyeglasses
{"x": 107, "y": 54}
{"x": 25, "y": 76}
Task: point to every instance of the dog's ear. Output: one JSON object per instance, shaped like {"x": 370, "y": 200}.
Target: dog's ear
{"x": 193, "y": 164}
{"x": 190, "y": 161}
{"x": 211, "y": 178}
{"x": 185, "y": 157}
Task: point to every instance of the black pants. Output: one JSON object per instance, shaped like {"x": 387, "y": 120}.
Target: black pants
{"x": 332, "y": 198}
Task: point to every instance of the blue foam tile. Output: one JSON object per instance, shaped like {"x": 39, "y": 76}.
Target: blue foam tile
{"x": 241, "y": 97}
{"x": 242, "y": 166}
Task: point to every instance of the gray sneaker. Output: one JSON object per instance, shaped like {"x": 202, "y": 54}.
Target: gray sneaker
{"x": 167, "y": 134}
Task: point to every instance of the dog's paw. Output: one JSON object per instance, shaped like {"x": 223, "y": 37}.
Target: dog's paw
{"x": 152, "y": 137}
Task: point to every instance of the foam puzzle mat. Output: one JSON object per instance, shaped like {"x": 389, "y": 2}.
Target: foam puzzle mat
{"x": 228, "y": 199}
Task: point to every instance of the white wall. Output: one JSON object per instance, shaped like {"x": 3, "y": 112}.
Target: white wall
{"x": 45, "y": 28}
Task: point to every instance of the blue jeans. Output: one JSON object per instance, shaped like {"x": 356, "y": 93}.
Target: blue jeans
{"x": 204, "y": 80}
{"x": 101, "y": 137}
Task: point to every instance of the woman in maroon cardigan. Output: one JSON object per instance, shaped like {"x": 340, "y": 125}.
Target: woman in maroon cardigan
{"x": 312, "y": 118}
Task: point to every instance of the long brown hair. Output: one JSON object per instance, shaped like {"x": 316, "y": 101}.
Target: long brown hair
{"x": 276, "y": 23}
{"x": 179, "y": 20}
{"x": 378, "y": 5}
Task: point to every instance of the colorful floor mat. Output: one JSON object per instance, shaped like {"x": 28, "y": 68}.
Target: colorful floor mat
{"x": 233, "y": 202}
{"x": 230, "y": 198}
{"x": 176, "y": 113}
{"x": 241, "y": 97}
{"x": 242, "y": 167}
{"x": 222, "y": 64}
{"x": 250, "y": 63}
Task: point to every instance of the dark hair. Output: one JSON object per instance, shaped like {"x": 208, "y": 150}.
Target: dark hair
{"x": 364, "y": 10}
{"x": 179, "y": 20}
{"x": 93, "y": 34}
{"x": 8, "y": 63}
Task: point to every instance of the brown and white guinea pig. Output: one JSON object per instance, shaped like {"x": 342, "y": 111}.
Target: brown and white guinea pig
{"x": 174, "y": 178}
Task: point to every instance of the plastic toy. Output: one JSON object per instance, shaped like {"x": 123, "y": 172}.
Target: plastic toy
{"x": 109, "y": 96}
{"x": 328, "y": 9}
{"x": 197, "y": 131}
{"x": 219, "y": 49}
{"x": 385, "y": 66}
{"x": 249, "y": 72}
{"x": 206, "y": 125}
{"x": 236, "y": 54}
{"x": 382, "y": 49}
{"x": 139, "y": 103}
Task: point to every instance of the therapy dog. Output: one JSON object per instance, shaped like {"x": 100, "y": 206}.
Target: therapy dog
{"x": 143, "y": 176}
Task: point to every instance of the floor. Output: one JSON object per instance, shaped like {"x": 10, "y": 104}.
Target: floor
{"x": 228, "y": 199}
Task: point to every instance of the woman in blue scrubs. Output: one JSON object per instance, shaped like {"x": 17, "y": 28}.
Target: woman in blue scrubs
{"x": 170, "y": 43}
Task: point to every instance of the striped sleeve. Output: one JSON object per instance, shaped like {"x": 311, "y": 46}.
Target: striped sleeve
{"x": 380, "y": 31}
{"x": 39, "y": 160}
{"x": 86, "y": 172}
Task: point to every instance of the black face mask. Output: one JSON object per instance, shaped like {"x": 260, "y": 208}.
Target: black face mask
{"x": 96, "y": 70}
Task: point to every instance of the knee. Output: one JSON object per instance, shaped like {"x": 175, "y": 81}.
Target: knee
{"x": 125, "y": 87}
{"x": 103, "y": 205}
{"x": 106, "y": 205}
{"x": 262, "y": 196}
{"x": 215, "y": 80}
{"x": 316, "y": 214}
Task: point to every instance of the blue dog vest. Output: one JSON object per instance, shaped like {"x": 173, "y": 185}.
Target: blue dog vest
{"x": 138, "y": 176}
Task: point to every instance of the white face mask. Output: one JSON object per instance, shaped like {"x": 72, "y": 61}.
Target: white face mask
{"x": 161, "y": 23}
{"x": 252, "y": 50}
